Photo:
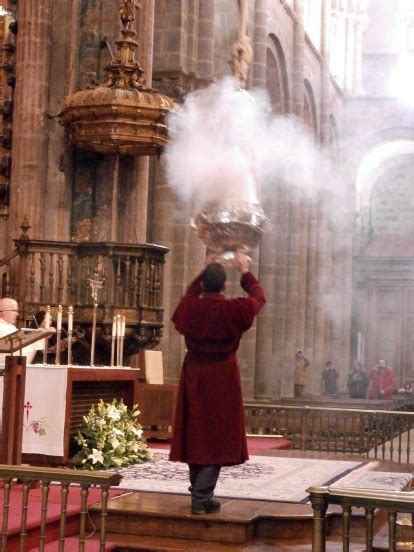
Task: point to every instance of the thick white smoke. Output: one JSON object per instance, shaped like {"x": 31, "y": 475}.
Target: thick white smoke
{"x": 227, "y": 143}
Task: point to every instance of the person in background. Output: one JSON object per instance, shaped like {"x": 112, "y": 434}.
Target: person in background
{"x": 330, "y": 380}
{"x": 208, "y": 430}
{"x": 407, "y": 388}
{"x": 301, "y": 374}
{"x": 381, "y": 382}
{"x": 357, "y": 381}
{"x": 9, "y": 312}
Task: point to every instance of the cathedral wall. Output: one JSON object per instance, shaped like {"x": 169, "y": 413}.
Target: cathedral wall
{"x": 191, "y": 46}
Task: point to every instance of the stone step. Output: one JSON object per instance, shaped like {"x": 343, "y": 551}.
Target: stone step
{"x": 239, "y": 521}
{"x": 169, "y": 516}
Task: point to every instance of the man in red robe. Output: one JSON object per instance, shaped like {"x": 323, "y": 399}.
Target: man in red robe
{"x": 381, "y": 382}
{"x": 209, "y": 429}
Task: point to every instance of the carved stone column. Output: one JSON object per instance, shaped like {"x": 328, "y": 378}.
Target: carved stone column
{"x": 205, "y": 62}
{"x": 265, "y": 375}
{"x": 325, "y": 73}
{"x": 259, "y": 44}
{"x": 134, "y": 190}
{"x": 361, "y": 23}
{"x": 29, "y": 151}
{"x": 298, "y": 60}
{"x": 290, "y": 322}
{"x": 65, "y": 38}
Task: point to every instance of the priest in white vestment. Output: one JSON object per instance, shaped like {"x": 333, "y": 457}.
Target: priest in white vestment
{"x": 9, "y": 310}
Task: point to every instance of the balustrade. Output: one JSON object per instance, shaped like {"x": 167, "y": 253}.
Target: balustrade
{"x": 40, "y": 273}
{"x": 22, "y": 479}
{"x": 377, "y": 434}
{"x": 391, "y": 501}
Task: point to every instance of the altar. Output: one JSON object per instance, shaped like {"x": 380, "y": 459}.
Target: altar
{"x": 56, "y": 399}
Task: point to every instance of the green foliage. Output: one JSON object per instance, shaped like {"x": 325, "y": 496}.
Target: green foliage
{"x": 110, "y": 437}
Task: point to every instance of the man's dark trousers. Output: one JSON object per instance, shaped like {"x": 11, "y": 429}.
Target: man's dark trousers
{"x": 203, "y": 481}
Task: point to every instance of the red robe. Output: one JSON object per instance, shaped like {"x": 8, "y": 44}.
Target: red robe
{"x": 381, "y": 380}
{"x": 209, "y": 419}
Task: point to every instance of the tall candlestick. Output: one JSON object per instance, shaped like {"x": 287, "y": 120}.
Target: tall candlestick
{"x": 122, "y": 341}
{"x": 70, "y": 332}
{"x": 59, "y": 318}
{"x": 48, "y": 318}
{"x": 46, "y": 322}
{"x": 70, "y": 319}
{"x": 96, "y": 283}
{"x": 113, "y": 342}
{"x": 118, "y": 339}
{"x": 58, "y": 333}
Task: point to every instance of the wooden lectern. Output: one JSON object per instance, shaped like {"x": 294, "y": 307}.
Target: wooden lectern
{"x": 14, "y": 374}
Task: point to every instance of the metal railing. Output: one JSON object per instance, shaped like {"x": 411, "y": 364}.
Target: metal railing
{"x": 24, "y": 477}
{"x": 374, "y": 433}
{"x": 390, "y": 501}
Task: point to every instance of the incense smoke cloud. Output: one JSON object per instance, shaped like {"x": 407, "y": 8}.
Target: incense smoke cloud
{"x": 228, "y": 144}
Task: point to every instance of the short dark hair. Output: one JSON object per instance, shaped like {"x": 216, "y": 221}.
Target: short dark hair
{"x": 329, "y": 363}
{"x": 214, "y": 278}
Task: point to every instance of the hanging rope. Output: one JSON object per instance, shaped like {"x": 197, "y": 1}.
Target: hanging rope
{"x": 241, "y": 50}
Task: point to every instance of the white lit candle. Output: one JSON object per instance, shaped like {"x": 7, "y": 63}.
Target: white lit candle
{"x": 48, "y": 318}
{"x": 70, "y": 319}
{"x": 118, "y": 325}
{"x": 114, "y": 327}
{"x": 59, "y": 318}
{"x": 123, "y": 326}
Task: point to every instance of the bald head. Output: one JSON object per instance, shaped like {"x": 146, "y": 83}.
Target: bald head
{"x": 8, "y": 310}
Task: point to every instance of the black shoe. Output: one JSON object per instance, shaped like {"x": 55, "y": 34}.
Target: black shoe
{"x": 208, "y": 507}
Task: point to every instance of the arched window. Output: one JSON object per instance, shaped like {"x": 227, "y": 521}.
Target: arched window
{"x": 276, "y": 76}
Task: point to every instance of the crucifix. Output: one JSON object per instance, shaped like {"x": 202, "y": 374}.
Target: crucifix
{"x": 96, "y": 283}
{"x": 28, "y": 406}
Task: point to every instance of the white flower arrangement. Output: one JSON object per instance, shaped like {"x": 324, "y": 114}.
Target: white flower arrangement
{"x": 110, "y": 436}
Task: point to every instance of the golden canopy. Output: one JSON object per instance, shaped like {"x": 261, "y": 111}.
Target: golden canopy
{"x": 121, "y": 115}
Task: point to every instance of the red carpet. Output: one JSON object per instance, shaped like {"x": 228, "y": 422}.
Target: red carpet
{"x": 53, "y": 517}
{"x": 254, "y": 444}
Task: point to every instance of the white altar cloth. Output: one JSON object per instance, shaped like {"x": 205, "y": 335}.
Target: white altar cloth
{"x": 44, "y": 409}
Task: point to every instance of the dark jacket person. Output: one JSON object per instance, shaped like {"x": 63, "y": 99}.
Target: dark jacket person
{"x": 209, "y": 423}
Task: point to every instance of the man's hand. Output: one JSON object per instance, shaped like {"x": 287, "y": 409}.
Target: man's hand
{"x": 241, "y": 262}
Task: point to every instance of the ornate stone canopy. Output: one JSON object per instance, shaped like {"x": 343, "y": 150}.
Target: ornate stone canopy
{"x": 120, "y": 115}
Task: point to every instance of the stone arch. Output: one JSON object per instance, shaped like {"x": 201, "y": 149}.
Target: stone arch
{"x": 334, "y": 138}
{"x": 379, "y": 149}
{"x": 310, "y": 117}
{"x": 277, "y": 83}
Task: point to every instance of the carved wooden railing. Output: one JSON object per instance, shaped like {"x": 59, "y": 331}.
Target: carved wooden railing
{"x": 390, "y": 501}
{"x": 27, "y": 476}
{"x": 40, "y": 273}
{"x": 375, "y": 433}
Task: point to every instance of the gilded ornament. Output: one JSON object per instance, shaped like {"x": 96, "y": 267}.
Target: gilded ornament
{"x": 120, "y": 115}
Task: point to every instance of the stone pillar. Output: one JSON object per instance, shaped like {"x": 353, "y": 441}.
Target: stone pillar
{"x": 321, "y": 279}
{"x": 259, "y": 44}
{"x": 58, "y": 197}
{"x": 294, "y": 224}
{"x": 30, "y": 139}
{"x": 266, "y": 373}
{"x": 298, "y": 84}
{"x": 325, "y": 74}
{"x": 281, "y": 282}
{"x": 134, "y": 190}
{"x": 264, "y": 376}
{"x": 162, "y": 233}
{"x": 205, "y": 62}
{"x": 360, "y": 26}
{"x": 324, "y": 245}
{"x": 311, "y": 279}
